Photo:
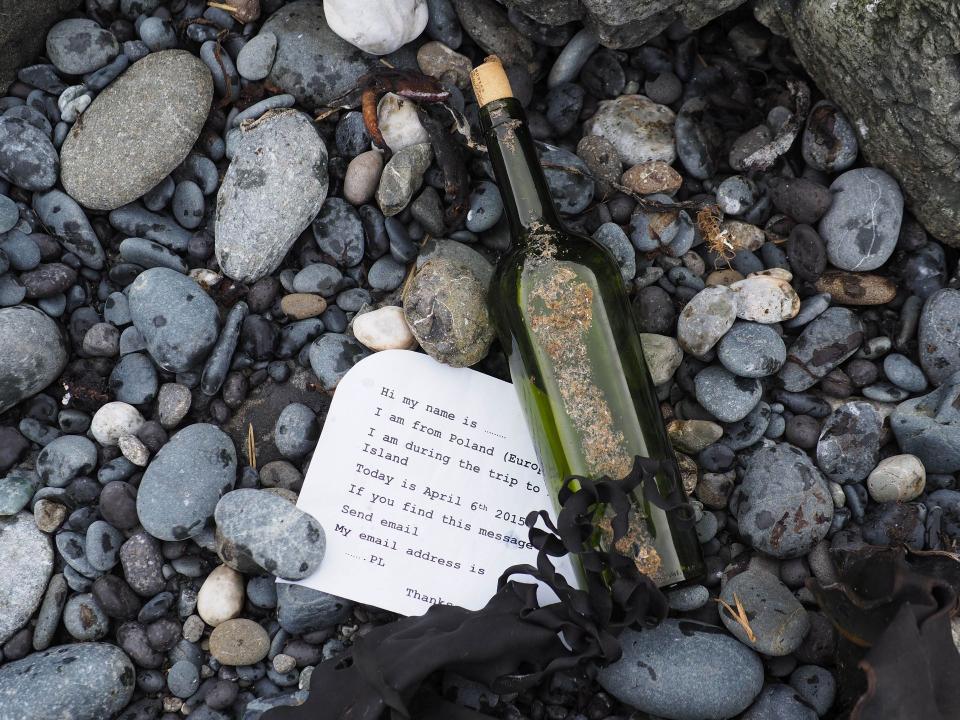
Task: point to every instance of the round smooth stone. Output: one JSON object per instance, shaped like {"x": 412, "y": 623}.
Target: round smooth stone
{"x": 684, "y": 670}
{"x": 261, "y": 529}
{"x": 32, "y": 353}
{"x": 256, "y": 57}
{"x": 724, "y": 395}
{"x": 82, "y": 681}
{"x": 181, "y": 487}
{"x": 777, "y": 619}
{"x": 384, "y": 329}
{"x": 862, "y": 225}
{"x": 752, "y": 350}
{"x": 706, "y": 319}
{"x": 158, "y": 106}
{"x": 899, "y": 478}
{"x": 221, "y": 596}
{"x": 84, "y": 619}
{"x": 239, "y": 642}
{"x": 789, "y": 508}
{"x": 296, "y": 431}
{"x": 114, "y": 420}
{"x": 77, "y": 46}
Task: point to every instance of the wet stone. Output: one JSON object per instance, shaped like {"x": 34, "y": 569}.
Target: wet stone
{"x": 928, "y": 427}
{"x": 332, "y": 355}
{"x": 862, "y": 225}
{"x": 939, "y": 335}
{"x": 313, "y": 78}
{"x": 829, "y": 142}
{"x": 78, "y": 46}
{"x": 32, "y": 353}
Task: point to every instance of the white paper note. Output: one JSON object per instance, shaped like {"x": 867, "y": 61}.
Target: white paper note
{"x": 422, "y": 479}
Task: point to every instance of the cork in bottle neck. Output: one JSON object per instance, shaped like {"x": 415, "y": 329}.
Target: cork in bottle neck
{"x": 490, "y": 81}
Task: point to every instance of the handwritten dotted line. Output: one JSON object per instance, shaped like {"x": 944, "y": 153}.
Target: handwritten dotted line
{"x": 490, "y": 432}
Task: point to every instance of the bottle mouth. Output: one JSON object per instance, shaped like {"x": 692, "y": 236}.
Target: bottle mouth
{"x": 490, "y": 81}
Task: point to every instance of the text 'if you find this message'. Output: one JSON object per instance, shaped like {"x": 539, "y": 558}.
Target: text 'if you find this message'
{"x": 422, "y": 479}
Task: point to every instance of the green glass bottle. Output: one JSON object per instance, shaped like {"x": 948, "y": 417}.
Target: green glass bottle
{"x": 563, "y": 317}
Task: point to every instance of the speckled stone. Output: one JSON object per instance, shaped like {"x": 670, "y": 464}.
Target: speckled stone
{"x": 26, "y": 567}
{"x": 83, "y": 681}
{"x": 32, "y": 353}
{"x": 239, "y": 642}
{"x": 684, "y": 670}
{"x": 261, "y": 529}
{"x": 273, "y": 189}
{"x": 181, "y": 487}
{"x": 158, "y": 108}
{"x": 783, "y": 505}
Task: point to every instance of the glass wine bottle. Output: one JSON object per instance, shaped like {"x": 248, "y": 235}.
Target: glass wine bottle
{"x": 563, "y": 318}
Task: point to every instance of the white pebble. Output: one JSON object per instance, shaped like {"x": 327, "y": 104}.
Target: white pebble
{"x": 114, "y": 420}
{"x": 384, "y": 329}
{"x": 400, "y": 123}
{"x": 765, "y": 299}
{"x": 376, "y": 26}
{"x": 221, "y": 596}
{"x": 899, "y": 478}
{"x": 284, "y": 663}
{"x": 134, "y": 450}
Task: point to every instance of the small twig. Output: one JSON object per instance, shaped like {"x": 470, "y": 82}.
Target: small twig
{"x": 251, "y": 447}
{"x": 739, "y": 615}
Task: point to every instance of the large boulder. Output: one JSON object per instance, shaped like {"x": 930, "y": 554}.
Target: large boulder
{"x": 23, "y": 31}
{"x": 891, "y": 67}
{"x": 624, "y": 23}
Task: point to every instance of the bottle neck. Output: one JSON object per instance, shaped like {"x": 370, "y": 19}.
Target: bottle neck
{"x": 523, "y": 186}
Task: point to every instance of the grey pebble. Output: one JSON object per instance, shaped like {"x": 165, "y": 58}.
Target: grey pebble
{"x": 83, "y": 680}
{"x": 182, "y": 485}
{"x": 684, "y": 670}
{"x": 65, "y": 458}
{"x": 724, "y": 395}
{"x": 84, "y": 619}
{"x": 752, "y": 350}
{"x": 256, "y": 57}
{"x": 26, "y": 568}
{"x": 781, "y": 484}
{"x": 296, "y": 431}
{"x": 177, "y": 319}
{"x": 257, "y": 528}
{"x": 301, "y": 609}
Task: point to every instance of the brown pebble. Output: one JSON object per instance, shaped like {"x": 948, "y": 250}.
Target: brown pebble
{"x": 239, "y": 642}
{"x": 48, "y": 515}
{"x": 723, "y": 277}
{"x": 847, "y": 288}
{"x": 652, "y": 176}
{"x": 300, "y": 306}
